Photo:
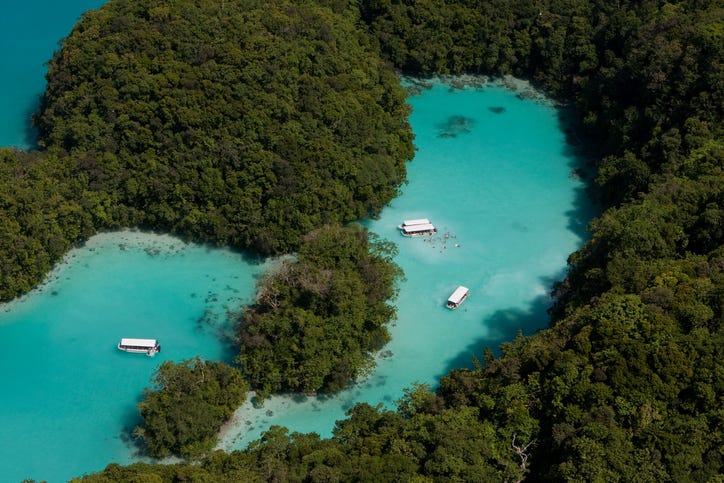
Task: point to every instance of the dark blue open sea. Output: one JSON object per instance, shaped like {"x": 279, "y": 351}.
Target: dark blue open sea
{"x": 492, "y": 172}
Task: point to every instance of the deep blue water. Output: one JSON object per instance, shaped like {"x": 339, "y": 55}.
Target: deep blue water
{"x": 492, "y": 171}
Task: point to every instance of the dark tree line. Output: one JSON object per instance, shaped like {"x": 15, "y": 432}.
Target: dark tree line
{"x": 43, "y": 213}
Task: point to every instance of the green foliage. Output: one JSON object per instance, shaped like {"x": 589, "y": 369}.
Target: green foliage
{"x": 244, "y": 123}
{"x": 235, "y": 123}
{"x": 642, "y": 76}
{"x": 318, "y": 318}
{"x": 193, "y": 398}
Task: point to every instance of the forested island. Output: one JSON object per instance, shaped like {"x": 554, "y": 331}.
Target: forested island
{"x": 262, "y": 124}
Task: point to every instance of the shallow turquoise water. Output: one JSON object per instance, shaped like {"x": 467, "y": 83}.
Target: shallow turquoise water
{"x": 69, "y": 394}
{"x": 492, "y": 171}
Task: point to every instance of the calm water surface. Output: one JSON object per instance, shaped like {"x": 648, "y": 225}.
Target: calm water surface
{"x": 492, "y": 171}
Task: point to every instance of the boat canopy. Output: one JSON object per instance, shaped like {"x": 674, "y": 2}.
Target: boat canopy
{"x": 420, "y": 221}
{"x": 148, "y": 343}
{"x": 458, "y": 295}
{"x": 418, "y": 228}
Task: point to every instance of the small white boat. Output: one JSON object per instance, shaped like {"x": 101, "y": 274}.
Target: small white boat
{"x": 418, "y": 227}
{"x": 457, "y": 297}
{"x": 140, "y": 346}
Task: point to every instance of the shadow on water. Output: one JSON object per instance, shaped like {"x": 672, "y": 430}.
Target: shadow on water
{"x": 131, "y": 420}
{"x": 582, "y": 163}
{"x": 504, "y": 325}
{"x": 30, "y": 134}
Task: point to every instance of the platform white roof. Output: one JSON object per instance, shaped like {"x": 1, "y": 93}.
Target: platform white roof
{"x": 458, "y": 295}
{"x": 419, "y": 221}
{"x": 416, "y": 228}
{"x": 139, "y": 342}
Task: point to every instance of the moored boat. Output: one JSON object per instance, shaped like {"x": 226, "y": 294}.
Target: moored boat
{"x": 418, "y": 227}
{"x": 457, "y": 297}
{"x": 150, "y": 347}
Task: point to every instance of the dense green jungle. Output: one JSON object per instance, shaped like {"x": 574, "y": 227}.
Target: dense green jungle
{"x": 267, "y": 126}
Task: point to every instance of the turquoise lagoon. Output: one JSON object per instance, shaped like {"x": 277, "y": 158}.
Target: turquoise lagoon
{"x": 492, "y": 171}
{"x": 495, "y": 175}
{"x": 69, "y": 395}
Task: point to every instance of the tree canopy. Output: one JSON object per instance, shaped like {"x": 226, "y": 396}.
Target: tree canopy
{"x": 318, "y": 318}
{"x": 191, "y": 400}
